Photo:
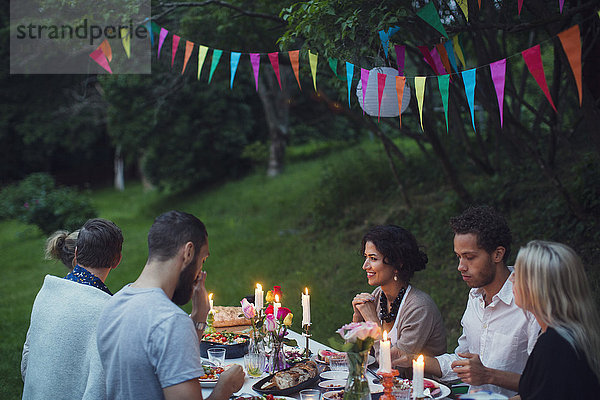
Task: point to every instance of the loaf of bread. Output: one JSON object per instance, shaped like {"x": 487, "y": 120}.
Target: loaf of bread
{"x": 229, "y": 316}
{"x": 293, "y": 376}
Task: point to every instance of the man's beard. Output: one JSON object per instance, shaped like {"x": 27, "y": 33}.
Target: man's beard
{"x": 185, "y": 286}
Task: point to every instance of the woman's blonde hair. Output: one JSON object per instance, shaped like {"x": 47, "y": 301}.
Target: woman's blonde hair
{"x": 552, "y": 284}
{"x": 61, "y": 246}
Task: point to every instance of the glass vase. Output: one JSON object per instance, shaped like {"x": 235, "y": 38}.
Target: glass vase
{"x": 357, "y": 385}
{"x": 276, "y": 357}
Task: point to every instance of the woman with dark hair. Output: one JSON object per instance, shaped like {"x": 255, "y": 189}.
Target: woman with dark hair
{"x": 411, "y": 318}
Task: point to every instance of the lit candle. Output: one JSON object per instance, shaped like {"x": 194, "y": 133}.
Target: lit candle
{"x": 418, "y": 367}
{"x": 210, "y": 301}
{"x": 258, "y": 297}
{"x": 305, "y": 308}
{"x": 385, "y": 358}
{"x": 276, "y": 305}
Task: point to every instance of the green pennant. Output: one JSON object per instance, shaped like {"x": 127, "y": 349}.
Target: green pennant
{"x": 333, "y": 64}
{"x": 444, "y": 83}
{"x": 215, "y": 60}
{"x": 430, "y": 15}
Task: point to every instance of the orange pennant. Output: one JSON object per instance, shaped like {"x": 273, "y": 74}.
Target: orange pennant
{"x": 400, "y": 81}
{"x": 189, "y": 47}
{"x": 571, "y": 42}
{"x": 106, "y": 49}
{"x": 294, "y": 56}
{"x": 444, "y": 56}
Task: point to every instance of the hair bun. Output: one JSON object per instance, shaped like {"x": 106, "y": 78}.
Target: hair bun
{"x": 422, "y": 261}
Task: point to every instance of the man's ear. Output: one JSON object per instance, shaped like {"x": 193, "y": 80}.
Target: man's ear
{"x": 498, "y": 254}
{"x": 188, "y": 253}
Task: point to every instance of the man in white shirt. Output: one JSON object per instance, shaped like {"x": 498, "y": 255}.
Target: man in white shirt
{"x": 497, "y": 336}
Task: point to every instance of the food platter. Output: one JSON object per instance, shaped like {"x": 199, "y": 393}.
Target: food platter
{"x": 211, "y": 375}
{"x": 443, "y": 391}
{"x": 264, "y": 397}
{"x": 235, "y": 345}
{"x": 283, "y": 392}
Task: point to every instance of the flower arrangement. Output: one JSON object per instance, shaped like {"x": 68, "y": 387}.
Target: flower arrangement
{"x": 359, "y": 336}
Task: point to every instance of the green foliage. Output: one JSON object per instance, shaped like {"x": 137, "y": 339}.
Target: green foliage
{"x": 36, "y": 200}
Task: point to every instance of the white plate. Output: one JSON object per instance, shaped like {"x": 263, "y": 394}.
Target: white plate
{"x": 445, "y": 390}
{"x": 208, "y": 383}
{"x": 331, "y": 393}
{"x": 332, "y": 384}
{"x": 375, "y": 388}
{"x": 334, "y": 375}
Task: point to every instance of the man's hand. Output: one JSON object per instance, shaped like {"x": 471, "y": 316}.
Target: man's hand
{"x": 364, "y": 306}
{"x": 471, "y": 370}
{"x": 230, "y": 381}
{"x": 200, "y": 303}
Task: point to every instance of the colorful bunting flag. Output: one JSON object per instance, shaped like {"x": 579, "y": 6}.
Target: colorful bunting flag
{"x": 571, "y": 43}
{"x": 561, "y": 3}
{"x": 498, "y": 70}
{"x": 202, "y": 50}
{"x": 106, "y": 49}
{"x": 439, "y": 67}
{"x": 216, "y": 56}
{"x": 234, "y": 60}
{"x": 380, "y": 88}
{"x": 349, "y": 75}
{"x": 458, "y": 50}
{"x": 274, "y": 58}
{"x": 126, "y": 40}
{"x": 429, "y": 14}
{"x": 161, "y": 39}
{"x": 364, "y": 80}
{"x": 400, "y": 52}
{"x": 255, "y": 61}
{"x": 469, "y": 78}
{"x": 533, "y": 59}
{"x": 174, "y": 48}
{"x": 464, "y": 6}
{"x": 450, "y": 53}
{"x": 479, "y": 4}
{"x": 420, "y": 91}
{"x": 520, "y": 5}
{"x": 189, "y": 48}
{"x": 444, "y": 83}
{"x": 333, "y": 64}
{"x": 148, "y": 26}
{"x": 441, "y": 49}
{"x": 312, "y": 59}
{"x": 294, "y": 60}
{"x": 100, "y": 58}
{"x": 427, "y": 56}
{"x": 385, "y": 42}
{"x": 400, "y": 82}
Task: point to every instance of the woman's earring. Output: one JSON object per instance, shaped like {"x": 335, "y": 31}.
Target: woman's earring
{"x": 395, "y": 277}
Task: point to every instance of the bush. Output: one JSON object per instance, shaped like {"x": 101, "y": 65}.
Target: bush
{"x": 36, "y": 200}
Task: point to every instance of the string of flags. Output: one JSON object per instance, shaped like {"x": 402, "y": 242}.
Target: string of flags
{"x": 442, "y": 58}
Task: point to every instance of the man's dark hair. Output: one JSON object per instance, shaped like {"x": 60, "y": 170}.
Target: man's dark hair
{"x": 172, "y": 230}
{"x": 399, "y": 249}
{"x": 99, "y": 244}
{"x": 490, "y": 228}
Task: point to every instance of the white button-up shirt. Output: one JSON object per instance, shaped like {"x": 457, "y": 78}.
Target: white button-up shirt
{"x": 502, "y": 334}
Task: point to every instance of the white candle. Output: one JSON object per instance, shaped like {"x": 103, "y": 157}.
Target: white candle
{"x": 418, "y": 368}
{"x": 385, "y": 358}
{"x": 258, "y": 297}
{"x": 305, "y": 308}
{"x": 276, "y": 305}
{"x": 210, "y": 301}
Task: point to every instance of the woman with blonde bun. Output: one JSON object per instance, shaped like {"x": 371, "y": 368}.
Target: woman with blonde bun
{"x": 550, "y": 282}
{"x": 61, "y": 246}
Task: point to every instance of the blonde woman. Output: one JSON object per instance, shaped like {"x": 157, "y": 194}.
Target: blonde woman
{"x": 550, "y": 282}
{"x": 61, "y": 246}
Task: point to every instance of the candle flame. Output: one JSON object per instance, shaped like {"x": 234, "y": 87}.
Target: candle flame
{"x": 306, "y": 291}
{"x": 259, "y": 286}
{"x": 276, "y": 298}
{"x": 385, "y": 336}
{"x": 210, "y": 296}
{"x": 420, "y": 358}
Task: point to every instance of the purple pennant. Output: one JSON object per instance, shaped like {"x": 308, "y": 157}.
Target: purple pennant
{"x": 439, "y": 66}
{"x": 498, "y": 70}
{"x": 561, "y": 3}
{"x": 161, "y": 39}
{"x": 400, "y": 51}
{"x": 364, "y": 78}
{"x": 255, "y": 61}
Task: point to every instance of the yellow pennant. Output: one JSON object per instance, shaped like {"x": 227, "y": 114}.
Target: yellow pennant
{"x": 464, "y": 6}
{"x": 126, "y": 39}
{"x": 312, "y": 58}
{"x": 420, "y": 90}
{"x": 201, "y": 57}
{"x": 458, "y": 51}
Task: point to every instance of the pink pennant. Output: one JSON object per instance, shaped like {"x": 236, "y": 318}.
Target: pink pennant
{"x": 439, "y": 66}
{"x": 380, "y": 88}
{"x": 161, "y": 40}
{"x": 520, "y": 5}
{"x": 561, "y": 3}
{"x": 533, "y": 59}
{"x": 174, "y": 48}
{"x": 99, "y": 56}
{"x": 427, "y": 55}
{"x": 364, "y": 79}
{"x": 498, "y": 70}
{"x": 255, "y": 61}
{"x": 274, "y": 58}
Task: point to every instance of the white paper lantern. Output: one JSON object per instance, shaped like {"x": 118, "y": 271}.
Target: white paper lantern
{"x": 389, "y": 99}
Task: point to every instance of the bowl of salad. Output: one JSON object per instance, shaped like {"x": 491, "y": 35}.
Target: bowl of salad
{"x": 235, "y": 345}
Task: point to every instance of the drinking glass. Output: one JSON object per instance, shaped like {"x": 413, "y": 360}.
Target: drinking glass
{"x": 255, "y": 364}
{"x": 310, "y": 394}
{"x": 216, "y": 355}
{"x": 338, "y": 362}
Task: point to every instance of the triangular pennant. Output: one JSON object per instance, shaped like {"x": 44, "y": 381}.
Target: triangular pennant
{"x": 561, "y": 3}
{"x": 255, "y": 62}
{"x": 450, "y": 53}
{"x": 571, "y": 43}
{"x": 385, "y": 41}
{"x": 479, "y": 4}
{"x": 427, "y": 55}
{"x": 380, "y": 88}
{"x": 439, "y": 67}
{"x": 100, "y": 58}
{"x": 469, "y": 79}
{"x": 174, "y": 48}
{"x": 202, "y": 50}
{"x": 161, "y": 39}
{"x": 234, "y": 60}
{"x": 189, "y": 48}
{"x": 155, "y": 27}
{"x": 312, "y": 59}
{"x": 441, "y": 49}
{"x": 464, "y": 6}
{"x": 333, "y": 64}
{"x": 458, "y": 50}
{"x": 148, "y": 26}
{"x": 349, "y": 75}
{"x": 498, "y": 70}
{"x": 364, "y": 80}
{"x": 533, "y": 59}
{"x": 444, "y": 83}
{"x": 294, "y": 60}
{"x": 106, "y": 49}
{"x": 274, "y": 58}
{"x": 429, "y": 14}
{"x": 420, "y": 92}
{"x": 400, "y": 51}
{"x": 400, "y": 82}
{"x": 126, "y": 40}
{"x": 216, "y": 56}
{"x": 519, "y": 5}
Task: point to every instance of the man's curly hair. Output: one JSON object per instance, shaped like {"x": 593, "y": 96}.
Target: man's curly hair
{"x": 490, "y": 228}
